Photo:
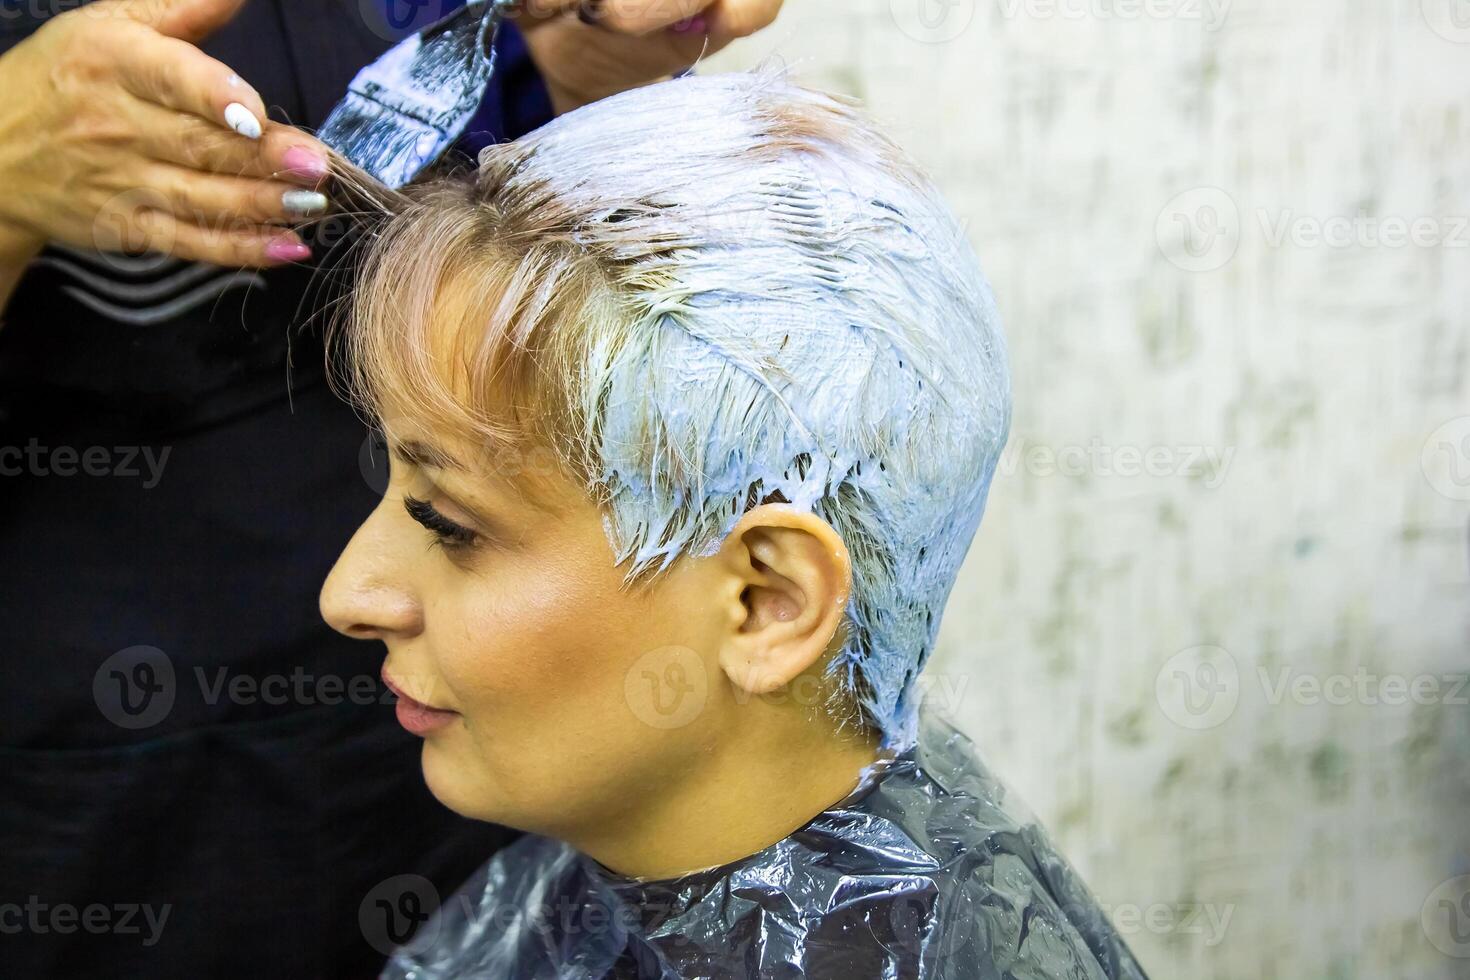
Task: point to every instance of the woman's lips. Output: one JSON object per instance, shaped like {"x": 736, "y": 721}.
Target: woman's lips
{"x": 419, "y": 718}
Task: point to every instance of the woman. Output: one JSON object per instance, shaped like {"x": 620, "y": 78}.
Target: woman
{"x": 694, "y": 397}
{"x": 200, "y": 779}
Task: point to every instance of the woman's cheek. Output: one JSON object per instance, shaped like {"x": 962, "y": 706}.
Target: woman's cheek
{"x": 513, "y": 637}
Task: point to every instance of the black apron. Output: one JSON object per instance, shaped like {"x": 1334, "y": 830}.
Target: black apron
{"x": 200, "y": 779}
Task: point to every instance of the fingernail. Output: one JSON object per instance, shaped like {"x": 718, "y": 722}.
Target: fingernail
{"x": 305, "y": 163}
{"x": 242, "y": 121}
{"x": 287, "y": 249}
{"x": 694, "y": 25}
{"x": 301, "y": 204}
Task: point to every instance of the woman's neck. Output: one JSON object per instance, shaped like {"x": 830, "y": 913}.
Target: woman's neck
{"x": 734, "y": 804}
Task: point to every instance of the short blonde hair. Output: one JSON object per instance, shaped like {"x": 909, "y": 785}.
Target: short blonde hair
{"x": 700, "y": 295}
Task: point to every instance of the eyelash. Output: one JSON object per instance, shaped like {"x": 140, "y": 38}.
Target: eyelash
{"x": 447, "y": 533}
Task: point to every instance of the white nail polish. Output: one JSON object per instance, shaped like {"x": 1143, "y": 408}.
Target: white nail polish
{"x": 242, "y": 121}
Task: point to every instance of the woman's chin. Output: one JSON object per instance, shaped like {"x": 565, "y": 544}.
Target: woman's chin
{"x": 459, "y": 784}
{"x": 446, "y": 778}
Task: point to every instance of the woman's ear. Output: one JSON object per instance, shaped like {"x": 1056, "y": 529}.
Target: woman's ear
{"x": 789, "y": 578}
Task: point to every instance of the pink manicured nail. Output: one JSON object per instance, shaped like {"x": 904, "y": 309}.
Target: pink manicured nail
{"x": 305, "y": 163}
{"x": 286, "y": 249}
{"x": 694, "y": 25}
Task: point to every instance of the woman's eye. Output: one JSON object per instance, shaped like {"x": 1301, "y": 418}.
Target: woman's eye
{"x": 449, "y": 533}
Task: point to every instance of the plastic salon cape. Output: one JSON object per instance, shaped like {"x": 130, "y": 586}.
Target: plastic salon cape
{"x": 921, "y": 872}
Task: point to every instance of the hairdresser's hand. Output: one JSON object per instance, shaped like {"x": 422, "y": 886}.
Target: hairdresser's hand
{"x": 117, "y": 133}
{"x": 589, "y": 49}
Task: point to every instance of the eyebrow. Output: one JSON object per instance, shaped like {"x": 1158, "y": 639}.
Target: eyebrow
{"x": 423, "y": 455}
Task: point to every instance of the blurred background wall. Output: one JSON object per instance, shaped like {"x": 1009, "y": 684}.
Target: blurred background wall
{"x": 1214, "y": 629}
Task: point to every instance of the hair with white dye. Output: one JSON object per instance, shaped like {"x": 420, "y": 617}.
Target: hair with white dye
{"x": 701, "y": 295}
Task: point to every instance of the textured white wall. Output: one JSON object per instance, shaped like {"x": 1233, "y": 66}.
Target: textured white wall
{"x": 1195, "y": 216}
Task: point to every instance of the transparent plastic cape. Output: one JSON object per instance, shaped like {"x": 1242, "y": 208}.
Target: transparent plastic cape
{"x": 924, "y": 871}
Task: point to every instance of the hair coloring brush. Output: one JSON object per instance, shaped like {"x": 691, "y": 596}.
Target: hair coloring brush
{"x": 404, "y": 110}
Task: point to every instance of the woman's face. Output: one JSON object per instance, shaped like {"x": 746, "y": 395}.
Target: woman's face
{"x": 551, "y": 696}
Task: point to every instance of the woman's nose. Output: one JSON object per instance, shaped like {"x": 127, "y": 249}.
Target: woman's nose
{"x": 366, "y": 595}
